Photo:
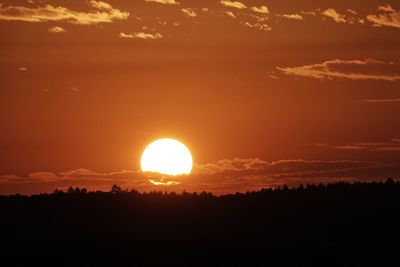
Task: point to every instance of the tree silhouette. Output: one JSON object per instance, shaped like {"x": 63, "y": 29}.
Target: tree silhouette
{"x": 313, "y": 225}
{"x": 116, "y": 189}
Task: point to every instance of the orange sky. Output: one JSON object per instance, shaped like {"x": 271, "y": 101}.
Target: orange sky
{"x": 262, "y": 92}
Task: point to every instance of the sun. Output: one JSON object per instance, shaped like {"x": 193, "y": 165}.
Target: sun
{"x": 167, "y": 156}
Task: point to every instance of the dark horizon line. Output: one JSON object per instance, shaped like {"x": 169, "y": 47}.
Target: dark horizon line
{"x": 116, "y": 189}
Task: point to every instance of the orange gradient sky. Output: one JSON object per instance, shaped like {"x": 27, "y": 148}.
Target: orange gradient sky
{"x": 264, "y": 93}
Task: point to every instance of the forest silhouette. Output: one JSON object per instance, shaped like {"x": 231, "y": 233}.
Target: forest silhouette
{"x": 315, "y": 225}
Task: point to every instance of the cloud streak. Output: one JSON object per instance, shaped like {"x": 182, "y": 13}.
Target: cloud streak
{"x": 333, "y": 14}
{"x": 147, "y": 36}
{"x": 367, "y": 69}
{"x": 140, "y": 35}
{"x": 392, "y": 145}
{"x": 388, "y": 17}
{"x": 382, "y": 100}
{"x": 293, "y": 16}
{"x": 230, "y": 14}
{"x": 125, "y": 35}
{"x": 234, "y": 4}
{"x": 223, "y": 176}
{"x": 257, "y": 25}
{"x": 101, "y": 12}
{"x": 261, "y": 9}
{"x": 56, "y": 29}
{"x": 164, "y": 2}
{"x": 189, "y": 12}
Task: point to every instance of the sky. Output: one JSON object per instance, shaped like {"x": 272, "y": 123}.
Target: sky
{"x": 263, "y": 93}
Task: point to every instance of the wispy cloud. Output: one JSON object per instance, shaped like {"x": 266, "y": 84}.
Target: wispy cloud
{"x": 235, "y": 164}
{"x": 230, "y": 14}
{"x": 164, "y": 2}
{"x": 386, "y": 8}
{"x": 261, "y": 9}
{"x": 391, "y": 145}
{"x": 223, "y": 176}
{"x": 101, "y": 12}
{"x": 125, "y": 35}
{"x": 167, "y": 183}
{"x": 44, "y": 176}
{"x": 146, "y": 36}
{"x": 382, "y": 100}
{"x": 56, "y": 29}
{"x": 189, "y": 11}
{"x": 351, "y": 11}
{"x": 311, "y": 13}
{"x": 234, "y": 4}
{"x": 388, "y": 17}
{"x": 74, "y": 89}
{"x": 257, "y": 25}
{"x": 332, "y": 13}
{"x": 293, "y": 16}
{"x": 367, "y": 69}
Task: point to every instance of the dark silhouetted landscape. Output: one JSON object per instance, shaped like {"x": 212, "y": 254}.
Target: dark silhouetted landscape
{"x": 275, "y": 122}
{"x": 316, "y": 225}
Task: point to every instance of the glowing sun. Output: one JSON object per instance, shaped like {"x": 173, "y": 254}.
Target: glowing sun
{"x": 167, "y": 156}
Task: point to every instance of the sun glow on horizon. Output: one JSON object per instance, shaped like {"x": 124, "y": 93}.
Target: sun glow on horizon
{"x": 167, "y": 156}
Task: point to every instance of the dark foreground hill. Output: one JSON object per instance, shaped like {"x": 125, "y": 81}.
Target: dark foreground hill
{"x": 334, "y": 225}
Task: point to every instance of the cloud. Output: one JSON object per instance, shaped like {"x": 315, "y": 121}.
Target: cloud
{"x": 311, "y": 13}
{"x": 43, "y": 176}
{"x": 56, "y": 29}
{"x": 254, "y": 174}
{"x": 257, "y": 25}
{"x": 86, "y": 173}
{"x": 350, "y": 147}
{"x": 235, "y": 164}
{"x": 389, "y": 18}
{"x": 223, "y": 176}
{"x": 367, "y": 69}
{"x": 101, "y": 13}
{"x": 163, "y": 183}
{"x": 46, "y": 181}
{"x": 392, "y": 145}
{"x": 293, "y": 16}
{"x": 351, "y": 11}
{"x": 382, "y": 100}
{"x": 234, "y": 4}
{"x": 140, "y": 35}
{"x": 22, "y": 69}
{"x": 146, "y": 36}
{"x": 189, "y": 11}
{"x": 386, "y": 8}
{"x": 230, "y": 14}
{"x": 100, "y": 5}
{"x": 164, "y": 2}
{"x": 332, "y": 13}
{"x": 261, "y": 9}
{"x": 125, "y": 35}
{"x": 74, "y": 89}
{"x": 238, "y": 167}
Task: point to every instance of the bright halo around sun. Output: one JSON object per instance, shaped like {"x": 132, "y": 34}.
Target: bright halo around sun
{"x": 167, "y": 156}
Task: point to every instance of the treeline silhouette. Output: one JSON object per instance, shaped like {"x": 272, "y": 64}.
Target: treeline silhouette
{"x": 315, "y": 225}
